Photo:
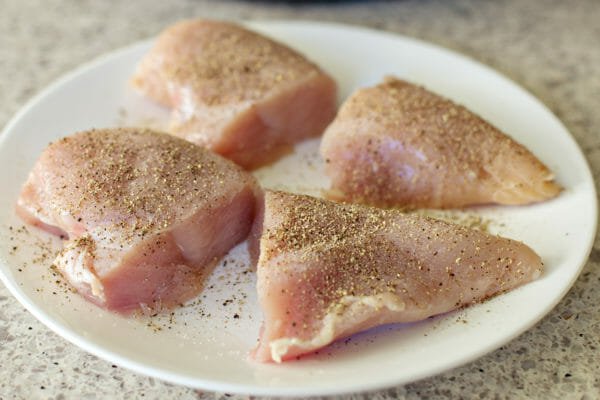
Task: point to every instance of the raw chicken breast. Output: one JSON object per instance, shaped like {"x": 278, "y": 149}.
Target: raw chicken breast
{"x": 397, "y": 144}
{"x": 328, "y": 270}
{"x": 236, "y": 92}
{"x": 146, "y": 214}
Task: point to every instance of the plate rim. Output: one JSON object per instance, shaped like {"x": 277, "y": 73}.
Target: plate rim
{"x": 221, "y": 386}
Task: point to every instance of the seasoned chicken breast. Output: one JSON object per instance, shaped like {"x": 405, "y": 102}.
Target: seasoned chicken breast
{"x": 398, "y": 144}
{"x": 328, "y": 270}
{"x": 146, "y": 214}
{"x": 236, "y": 92}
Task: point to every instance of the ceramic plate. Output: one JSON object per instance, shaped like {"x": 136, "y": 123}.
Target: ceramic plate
{"x": 205, "y": 344}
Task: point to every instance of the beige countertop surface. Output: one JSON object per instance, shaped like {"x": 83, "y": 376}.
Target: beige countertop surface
{"x": 551, "y": 48}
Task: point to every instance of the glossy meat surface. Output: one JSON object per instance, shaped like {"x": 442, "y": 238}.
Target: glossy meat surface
{"x": 398, "y": 144}
{"x": 146, "y": 214}
{"x": 328, "y": 270}
{"x": 236, "y": 92}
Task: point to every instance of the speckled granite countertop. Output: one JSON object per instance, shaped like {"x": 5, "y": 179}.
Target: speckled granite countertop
{"x": 552, "y": 48}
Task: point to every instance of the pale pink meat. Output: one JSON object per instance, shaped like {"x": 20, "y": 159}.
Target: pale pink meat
{"x": 327, "y": 270}
{"x": 397, "y": 144}
{"x": 146, "y": 214}
{"x": 236, "y": 92}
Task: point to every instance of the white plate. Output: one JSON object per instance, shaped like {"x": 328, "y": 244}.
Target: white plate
{"x": 204, "y": 345}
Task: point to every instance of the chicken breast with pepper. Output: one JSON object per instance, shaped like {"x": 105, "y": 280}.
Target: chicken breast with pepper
{"x": 145, "y": 214}
{"x": 236, "y": 92}
{"x": 397, "y": 144}
{"x": 328, "y": 270}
